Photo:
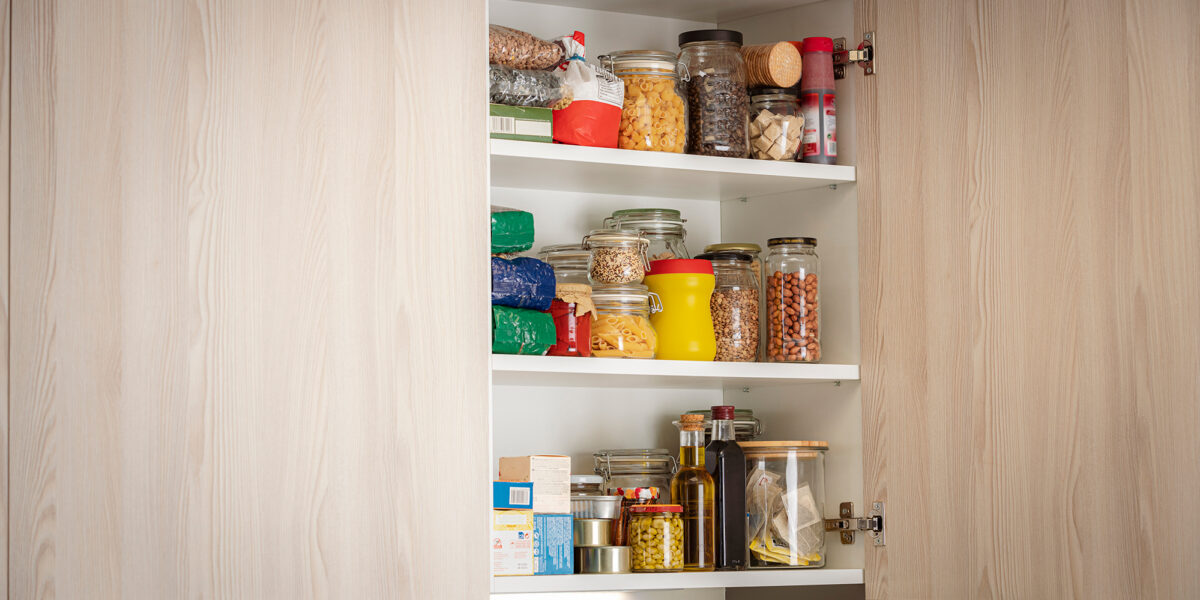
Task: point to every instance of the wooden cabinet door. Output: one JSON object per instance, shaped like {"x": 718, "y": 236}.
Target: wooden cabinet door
{"x": 1030, "y": 230}
{"x": 249, "y": 272}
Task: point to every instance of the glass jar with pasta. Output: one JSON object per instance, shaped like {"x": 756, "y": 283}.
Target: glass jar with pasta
{"x": 622, "y": 326}
{"x": 654, "y": 113}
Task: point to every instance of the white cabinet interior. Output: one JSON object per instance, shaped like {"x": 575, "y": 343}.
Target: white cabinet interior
{"x": 579, "y": 418}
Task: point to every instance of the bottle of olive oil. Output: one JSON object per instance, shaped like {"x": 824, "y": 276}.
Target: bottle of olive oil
{"x": 693, "y": 489}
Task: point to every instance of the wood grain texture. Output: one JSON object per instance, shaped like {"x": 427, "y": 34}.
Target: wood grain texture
{"x": 1030, "y": 267}
{"x": 5, "y": 96}
{"x": 249, "y": 291}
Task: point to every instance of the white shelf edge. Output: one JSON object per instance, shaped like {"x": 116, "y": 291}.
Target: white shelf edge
{"x": 669, "y": 160}
{"x": 668, "y": 581}
{"x": 527, "y": 369}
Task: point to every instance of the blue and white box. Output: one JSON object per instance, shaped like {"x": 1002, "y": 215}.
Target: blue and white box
{"x": 517, "y": 495}
{"x": 553, "y": 540}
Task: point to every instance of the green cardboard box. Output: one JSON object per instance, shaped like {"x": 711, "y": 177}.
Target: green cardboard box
{"x": 520, "y": 123}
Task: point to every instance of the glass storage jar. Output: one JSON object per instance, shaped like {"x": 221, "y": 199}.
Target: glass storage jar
{"x": 572, "y": 306}
{"x": 718, "y": 106}
{"x": 785, "y": 498}
{"x": 776, "y": 125}
{"x": 656, "y": 538}
{"x": 754, "y": 250}
{"x": 622, "y": 326}
{"x": 793, "y": 300}
{"x": 586, "y": 485}
{"x": 617, "y": 256}
{"x": 746, "y": 426}
{"x": 662, "y": 228}
{"x": 653, "y": 114}
{"x": 635, "y": 468}
{"x": 734, "y": 306}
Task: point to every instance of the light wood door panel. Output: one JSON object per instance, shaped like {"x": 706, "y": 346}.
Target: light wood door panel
{"x": 249, "y": 283}
{"x": 5, "y": 96}
{"x": 1030, "y": 232}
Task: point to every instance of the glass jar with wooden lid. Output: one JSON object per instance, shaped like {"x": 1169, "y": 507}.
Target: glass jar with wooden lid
{"x": 785, "y": 501}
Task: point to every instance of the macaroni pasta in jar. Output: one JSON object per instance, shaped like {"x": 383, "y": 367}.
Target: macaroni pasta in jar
{"x": 654, "y": 113}
{"x": 622, "y": 327}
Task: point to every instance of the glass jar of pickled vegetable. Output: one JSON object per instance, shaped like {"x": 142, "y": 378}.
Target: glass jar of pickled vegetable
{"x": 654, "y": 113}
{"x": 572, "y": 306}
{"x": 618, "y": 257}
{"x": 662, "y": 228}
{"x": 656, "y": 538}
{"x": 622, "y": 326}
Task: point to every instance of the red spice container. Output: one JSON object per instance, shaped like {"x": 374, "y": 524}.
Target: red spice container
{"x": 572, "y": 308}
{"x": 818, "y": 103}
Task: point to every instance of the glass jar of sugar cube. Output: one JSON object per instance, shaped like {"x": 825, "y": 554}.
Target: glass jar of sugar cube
{"x": 776, "y": 124}
{"x": 785, "y": 496}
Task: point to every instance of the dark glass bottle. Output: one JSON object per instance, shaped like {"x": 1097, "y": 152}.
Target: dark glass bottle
{"x": 692, "y": 487}
{"x": 724, "y": 460}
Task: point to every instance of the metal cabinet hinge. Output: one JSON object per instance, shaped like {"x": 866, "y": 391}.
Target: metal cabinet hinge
{"x": 864, "y": 56}
{"x": 847, "y": 523}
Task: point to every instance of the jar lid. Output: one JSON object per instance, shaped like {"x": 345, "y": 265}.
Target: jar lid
{"x": 614, "y": 236}
{"x": 620, "y": 292}
{"x": 734, "y": 246}
{"x": 738, "y": 256}
{"x": 769, "y": 91}
{"x": 586, "y": 479}
{"x": 564, "y": 252}
{"x": 680, "y": 265}
{"x": 655, "y": 508}
{"x": 643, "y": 59}
{"x": 783, "y": 241}
{"x": 715, "y": 35}
{"x": 798, "y": 445}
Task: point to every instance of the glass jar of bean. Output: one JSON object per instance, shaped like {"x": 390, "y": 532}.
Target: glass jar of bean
{"x": 654, "y": 114}
{"x": 656, "y": 538}
{"x": 617, "y": 256}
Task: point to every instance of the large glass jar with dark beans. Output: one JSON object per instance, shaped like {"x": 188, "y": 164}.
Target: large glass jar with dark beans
{"x": 718, "y": 106}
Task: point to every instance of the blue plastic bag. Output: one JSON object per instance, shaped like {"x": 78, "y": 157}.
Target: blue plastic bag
{"x": 522, "y": 283}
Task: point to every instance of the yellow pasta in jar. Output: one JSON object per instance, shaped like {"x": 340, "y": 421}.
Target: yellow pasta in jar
{"x": 654, "y": 115}
{"x": 623, "y": 336}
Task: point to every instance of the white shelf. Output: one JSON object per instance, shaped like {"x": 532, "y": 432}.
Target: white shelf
{"x": 539, "y": 165}
{"x": 711, "y": 11}
{"x": 511, "y": 369}
{"x": 669, "y": 581}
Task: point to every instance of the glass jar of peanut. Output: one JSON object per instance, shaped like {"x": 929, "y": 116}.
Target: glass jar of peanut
{"x": 654, "y": 113}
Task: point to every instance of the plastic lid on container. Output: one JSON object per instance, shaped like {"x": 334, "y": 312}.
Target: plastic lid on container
{"x": 655, "y": 508}
{"x": 716, "y": 35}
{"x": 586, "y": 479}
{"x": 734, "y": 246}
{"x": 817, "y": 44}
{"x": 783, "y": 241}
{"x": 738, "y": 256}
{"x": 680, "y": 265}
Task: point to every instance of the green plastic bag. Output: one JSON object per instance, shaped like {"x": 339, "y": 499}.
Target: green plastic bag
{"x": 512, "y": 230}
{"x": 521, "y": 331}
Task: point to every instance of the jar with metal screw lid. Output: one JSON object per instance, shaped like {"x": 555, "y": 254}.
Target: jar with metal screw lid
{"x": 793, "y": 300}
{"x": 734, "y": 306}
{"x": 776, "y": 125}
{"x": 718, "y": 106}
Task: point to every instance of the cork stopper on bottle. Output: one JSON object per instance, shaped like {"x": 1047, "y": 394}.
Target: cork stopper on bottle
{"x": 691, "y": 422}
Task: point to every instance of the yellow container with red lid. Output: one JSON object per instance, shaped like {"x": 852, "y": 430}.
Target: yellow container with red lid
{"x": 680, "y": 292}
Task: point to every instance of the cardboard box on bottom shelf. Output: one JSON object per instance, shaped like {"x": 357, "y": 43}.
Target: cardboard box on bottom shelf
{"x": 520, "y": 123}
{"x": 512, "y": 542}
{"x": 551, "y": 477}
{"x": 553, "y": 549}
